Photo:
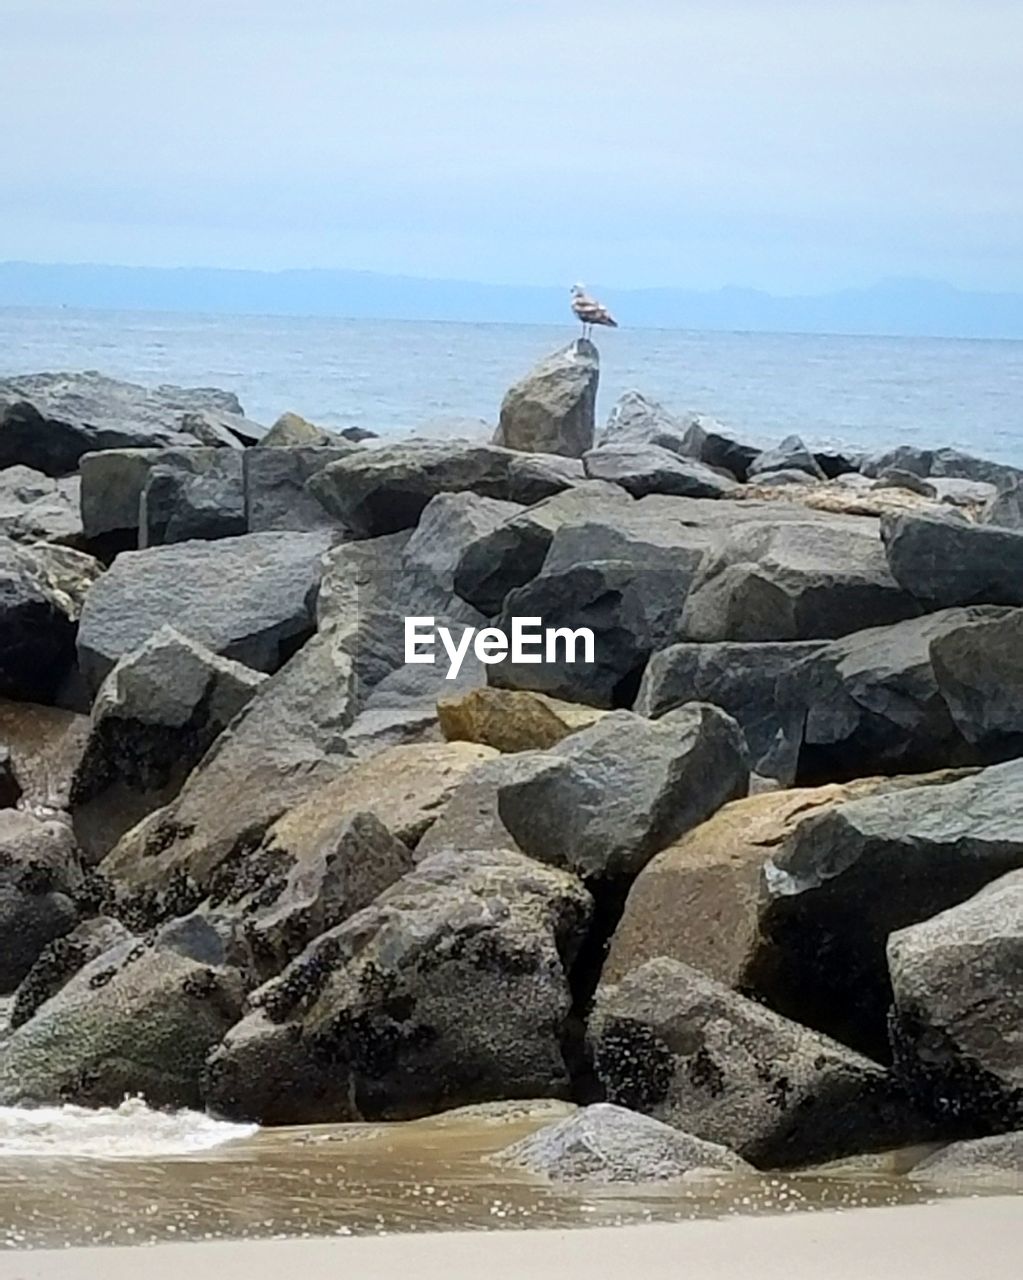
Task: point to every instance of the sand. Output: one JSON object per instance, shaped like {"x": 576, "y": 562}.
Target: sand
{"x": 976, "y": 1239}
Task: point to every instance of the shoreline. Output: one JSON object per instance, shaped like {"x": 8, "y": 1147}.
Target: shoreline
{"x": 951, "y": 1240}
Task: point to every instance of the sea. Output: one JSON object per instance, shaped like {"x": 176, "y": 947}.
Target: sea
{"x": 394, "y": 376}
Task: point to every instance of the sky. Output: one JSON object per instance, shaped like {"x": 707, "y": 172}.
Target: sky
{"x": 788, "y": 145}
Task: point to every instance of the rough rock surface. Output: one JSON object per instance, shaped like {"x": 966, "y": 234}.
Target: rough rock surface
{"x": 154, "y": 718}
{"x": 635, "y": 419}
{"x": 370, "y": 1021}
{"x": 940, "y": 462}
{"x": 61, "y": 959}
{"x": 512, "y": 719}
{"x": 37, "y": 508}
{"x": 111, "y": 489}
{"x": 470, "y": 819}
{"x": 791, "y": 455}
{"x": 606, "y": 1143}
{"x": 551, "y": 409}
{"x": 192, "y": 493}
{"x": 250, "y": 598}
{"x": 1005, "y": 508}
{"x": 673, "y": 1043}
{"x": 647, "y": 468}
{"x": 450, "y": 523}
{"x": 292, "y": 429}
{"x": 613, "y": 795}
{"x": 277, "y": 490}
{"x": 978, "y": 669}
{"x": 40, "y": 877}
{"x": 139, "y": 1019}
{"x": 957, "y": 1020}
{"x": 37, "y": 631}
{"x": 947, "y": 560}
{"x": 997, "y": 1159}
{"x": 713, "y": 444}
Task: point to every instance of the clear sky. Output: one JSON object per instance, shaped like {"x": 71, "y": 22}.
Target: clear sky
{"x": 783, "y": 144}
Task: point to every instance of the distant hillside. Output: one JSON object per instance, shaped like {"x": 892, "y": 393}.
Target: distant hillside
{"x": 901, "y": 307}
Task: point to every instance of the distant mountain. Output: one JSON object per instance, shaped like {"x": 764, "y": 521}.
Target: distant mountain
{"x": 897, "y": 307}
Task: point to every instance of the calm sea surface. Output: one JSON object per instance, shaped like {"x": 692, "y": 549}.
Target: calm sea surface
{"x": 391, "y": 375}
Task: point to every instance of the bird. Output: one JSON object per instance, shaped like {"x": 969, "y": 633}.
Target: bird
{"x": 590, "y": 312}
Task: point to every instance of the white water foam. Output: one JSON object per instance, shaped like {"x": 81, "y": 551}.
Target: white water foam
{"x": 130, "y": 1131}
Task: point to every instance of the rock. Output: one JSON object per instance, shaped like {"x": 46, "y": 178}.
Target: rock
{"x": 61, "y": 959}
{"x": 358, "y": 434}
{"x": 383, "y": 490}
{"x": 795, "y": 580}
{"x": 290, "y": 430}
{"x": 194, "y": 493}
{"x": 402, "y": 707}
{"x": 741, "y": 679}
{"x": 836, "y": 463}
{"x": 947, "y": 463}
{"x": 605, "y": 1143}
{"x": 998, "y": 1159}
{"x": 871, "y": 702}
{"x": 1005, "y": 509}
{"x": 37, "y": 508}
{"x": 551, "y": 409}
{"x": 285, "y": 744}
{"x": 52, "y": 419}
{"x": 674, "y": 1044}
{"x": 945, "y": 560}
{"x": 221, "y": 428}
{"x": 297, "y": 886}
{"x": 978, "y": 672}
{"x": 512, "y": 719}
{"x": 250, "y": 598}
{"x": 616, "y": 793}
{"x": 45, "y": 744}
{"x": 849, "y": 877}
{"x": 155, "y": 716}
{"x": 791, "y": 455}
{"x": 139, "y": 1019}
{"x": 637, "y": 420}
{"x": 512, "y": 553}
{"x": 369, "y": 1022}
{"x": 277, "y": 490}
{"x": 470, "y": 819}
{"x": 779, "y": 479}
{"x": 957, "y": 492}
{"x": 10, "y": 784}
{"x": 450, "y": 523}
{"x": 37, "y": 625}
{"x": 644, "y": 469}
{"x": 697, "y": 901}
{"x": 40, "y": 875}
{"x": 715, "y": 446}
{"x": 958, "y": 1012}
{"x": 112, "y": 485}
{"x": 895, "y": 478}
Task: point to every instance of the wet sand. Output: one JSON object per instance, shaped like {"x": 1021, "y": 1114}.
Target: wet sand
{"x": 954, "y": 1240}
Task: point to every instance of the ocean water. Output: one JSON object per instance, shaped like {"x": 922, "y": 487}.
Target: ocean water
{"x": 867, "y": 393}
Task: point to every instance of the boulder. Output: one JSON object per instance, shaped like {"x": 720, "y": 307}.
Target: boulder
{"x": 636, "y": 420}
{"x": 61, "y": 959}
{"x": 1005, "y": 508}
{"x": 948, "y": 463}
{"x": 37, "y": 508}
{"x": 742, "y": 679}
{"x": 250, "y": 598}
{"x": 52, "y": 419}
{"x": 139, "y": 1019}
{"x": 715, "y": 446}
{"x": 277, "y": 490}
{"x": 37, "y": 623}
{"x": 450, "y": 523}
{"x": 384, "y": 490}
{"x": 791, "y": 455}
{"x": 470, "y": 818}
{"x": 944, "y": 560}
{"x": 896, "y": 478}
{"x": 370, "y": 1021}
{"x": 512, "y": 719}
{"x": 956, "y": 492}
{"x": 402, "y": 707}
{"x": 613, "y": 795}
{"x": 647, "y": 468}
{"x": 290, "y": 429}
{"x": 154, "y": 718}
{"x": 673, "y": 1043}
{"x": 513, "y": 552}
{"x": 112, "y": 484}
{"x": 847, "y": 878}
{"x": 795, "y": 580}
{"x": 779, "y": 479}
{"x": 551, "y": 409}
{"x": 977, "y": 669}
{"x": 45, "y": 744}
{"x": 871, "y": 702}
{"x": 40, "y": 876}
{"x": 194, "y": 493}
{"x": 221, "y": 428}
{"x": 606, "y": 1143}
{"x": 957, "y": 1020}
{"x": 998, "y": 1159}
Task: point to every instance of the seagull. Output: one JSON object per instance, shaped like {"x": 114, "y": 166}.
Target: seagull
{"x": 589, "y": 311}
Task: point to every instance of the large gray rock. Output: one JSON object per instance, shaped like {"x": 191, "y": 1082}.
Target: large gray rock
{"x": 673, "y": 1043}
{"x": 995, "y": 1160}
{"x": 795, "y": 580}
{"x": 872, "y": 702}
{"x": 40, "y": 595}
{"x": 978, "y": 670}
{"x": 451, "y": 523}
{"x": 277, "y": 490}
{"x": 370, "y": 1021}
{"x": 948, "y": 463}
{"x": 154, "y": 718}
{"x": 222, "y": 428}
{"x": 957, "y": 1020}
{"x": 637, "y": 420}
{"x": 37, "y": 508}
{"x": 745, "y": 680}
{"x": 384, "y": 490}
{"x": 193, "y": 493}
{"x": 791, "y": 455}
{"x": 715, "y": 446}
{"x": 946, "y": 560}
{"x": 606, "y": 1143}
{"x": 139, "y": 1019}
{"x": 61, "y": 959}
{"x": 846, "y": 879}
{"x": 112, "y": 485}
{"x": 251, "y": 598}
{"x": 1005, "y": 508}
{"x": 551, "y": 409}
{"x": 645, "y": 469}
{"x": 471, "y": 819}
{"x": 51, "y": 419}
{"x": 40, "y": 876}
{"x": 513, "y": 553}
{"x": 612, "y": 795}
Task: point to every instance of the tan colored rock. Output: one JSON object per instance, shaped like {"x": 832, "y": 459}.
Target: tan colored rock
{"x": 512, "y": 719}
{"x": 696, "y": 901}
{"x": 45, "y": 745}
{"x": 291, "y": 429}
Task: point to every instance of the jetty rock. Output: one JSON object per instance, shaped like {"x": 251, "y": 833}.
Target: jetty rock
{"x": 551, "y": 410}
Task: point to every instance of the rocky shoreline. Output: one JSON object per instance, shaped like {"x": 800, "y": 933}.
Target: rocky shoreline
{"x": 748, "y": 888}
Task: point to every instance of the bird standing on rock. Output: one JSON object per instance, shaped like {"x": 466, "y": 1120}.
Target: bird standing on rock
{"x": 590, "y": 312}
